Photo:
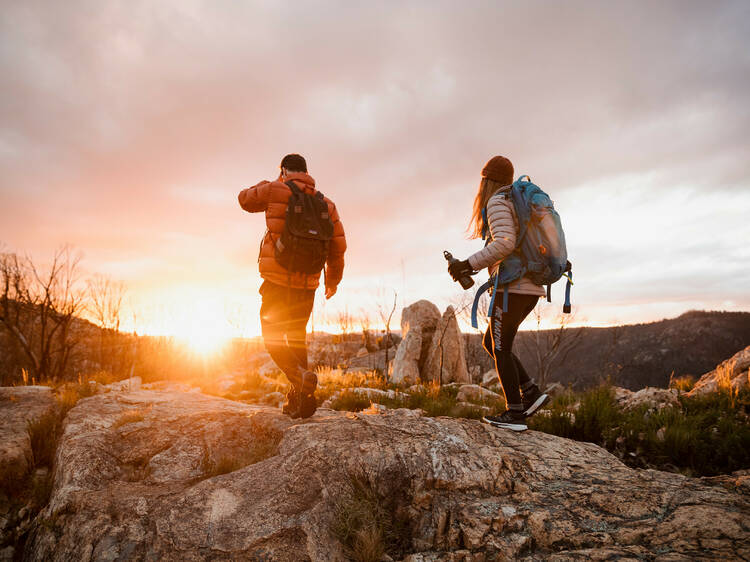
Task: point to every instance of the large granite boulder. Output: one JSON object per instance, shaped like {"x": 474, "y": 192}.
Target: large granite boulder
{"x": 415, "y": 318}
{"x": 136, "y": 479}
{"x": 733, "y": 373}
{"x": 446, "y": 358}
{"x": 406, "y": 363}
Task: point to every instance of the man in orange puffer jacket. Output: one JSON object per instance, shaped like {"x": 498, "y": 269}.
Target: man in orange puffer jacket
{"x": 287, "y": 297}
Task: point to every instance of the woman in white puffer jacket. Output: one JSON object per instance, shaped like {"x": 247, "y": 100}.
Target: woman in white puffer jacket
{"x": 522, "y": 396}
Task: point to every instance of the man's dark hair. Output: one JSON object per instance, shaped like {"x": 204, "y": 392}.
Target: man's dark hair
{"x": 294, "y": 163}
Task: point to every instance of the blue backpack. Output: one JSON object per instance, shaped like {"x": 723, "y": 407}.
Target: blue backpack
{"x": 540, "y": 253}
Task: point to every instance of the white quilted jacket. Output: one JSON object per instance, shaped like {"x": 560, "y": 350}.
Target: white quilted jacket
{"x": 503, "y": 233}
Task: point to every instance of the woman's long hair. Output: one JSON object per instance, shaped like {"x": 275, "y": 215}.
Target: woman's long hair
{"x": 487, "y": 188}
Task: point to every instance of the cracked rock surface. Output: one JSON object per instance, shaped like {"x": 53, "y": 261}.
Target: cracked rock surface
{"x": 134, "y": 481}
{"x": 20, "y": 405}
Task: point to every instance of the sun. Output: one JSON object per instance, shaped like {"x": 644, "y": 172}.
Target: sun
{"x": 203, "y": 327}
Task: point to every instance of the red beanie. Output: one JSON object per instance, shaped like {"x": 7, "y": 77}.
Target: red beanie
{"x": 499, "y": 169}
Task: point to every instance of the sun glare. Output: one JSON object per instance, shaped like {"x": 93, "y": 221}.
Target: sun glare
{"x": 201, "y": 325}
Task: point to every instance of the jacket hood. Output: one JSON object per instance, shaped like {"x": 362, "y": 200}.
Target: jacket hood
{"x": 303, "y": 180}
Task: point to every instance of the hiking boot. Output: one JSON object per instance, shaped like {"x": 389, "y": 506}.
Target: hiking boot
{"x": 509, "y": 419}
{"x": 308, "y": 404}
{"x": 309, "y": 382}
{"x": 533, "y": 399}
{"x": 292, "y": 404}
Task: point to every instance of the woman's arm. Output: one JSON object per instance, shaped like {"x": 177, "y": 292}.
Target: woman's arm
{"x": 502, "y": 230}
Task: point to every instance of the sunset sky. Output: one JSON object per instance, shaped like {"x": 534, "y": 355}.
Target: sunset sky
{"x": 128, "y": 128}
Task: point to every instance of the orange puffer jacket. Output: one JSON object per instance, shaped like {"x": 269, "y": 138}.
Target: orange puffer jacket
{"x": 272, "y": 197}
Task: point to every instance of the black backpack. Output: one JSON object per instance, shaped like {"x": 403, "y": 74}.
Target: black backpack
{"x": 304, "y": 242}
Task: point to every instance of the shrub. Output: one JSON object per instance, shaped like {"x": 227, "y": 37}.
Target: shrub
{"x": 596, "y": 414}
{"x": 350, "y": 401}
{"x": 435, "y": 400}
{"x": 44, "y": 433}
{"x": 367, "y": 524}
{"x": 684, "y": 383}
{"x": 706, "y": 435}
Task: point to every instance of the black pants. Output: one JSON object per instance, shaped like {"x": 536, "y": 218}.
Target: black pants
{"x": 498, "y": 342}
{"x": 284, "y": 314}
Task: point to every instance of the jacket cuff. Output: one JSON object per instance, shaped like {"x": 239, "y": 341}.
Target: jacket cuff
{"x": 473, "y": 264}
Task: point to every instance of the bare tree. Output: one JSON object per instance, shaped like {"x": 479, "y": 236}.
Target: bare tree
{"x": 38, "y": 309}
{"x": 369, "y": 341}
{"x": 551, "y": 347}
{"x": 105, "y": 298}
{"x": 386, "y": 314}
{"x": 345, "y": 322}
{"x": 105, "y": 301}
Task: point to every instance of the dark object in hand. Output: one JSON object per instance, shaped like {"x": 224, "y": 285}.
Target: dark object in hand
{"x": 460, "y": 270}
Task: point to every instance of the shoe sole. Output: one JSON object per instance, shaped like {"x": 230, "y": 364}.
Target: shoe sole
{"x": 538, "y": 403}
{"x": 511, "y": 426}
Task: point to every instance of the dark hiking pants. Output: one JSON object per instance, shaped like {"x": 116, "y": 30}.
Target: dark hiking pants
{"x": 498, "y": 342}
{"x": 284, "y": 313}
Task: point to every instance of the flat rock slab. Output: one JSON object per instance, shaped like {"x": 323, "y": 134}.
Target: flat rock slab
{"x": 131, "y": 483}
{"x": 18, "y": 406}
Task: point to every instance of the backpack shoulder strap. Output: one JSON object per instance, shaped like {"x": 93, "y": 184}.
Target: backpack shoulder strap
{"x": 518, "y": 202}
{"x": 293, "y": 186}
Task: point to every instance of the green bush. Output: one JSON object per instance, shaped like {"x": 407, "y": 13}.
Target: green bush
{"x": 434, "y": 400}
{"x": 704, "y": 436}
{"x": 349, "y": 401}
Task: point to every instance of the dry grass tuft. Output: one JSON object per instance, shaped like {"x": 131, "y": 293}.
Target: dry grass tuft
{"x": 330, "y": 380}
{"x": 684, "y": 383}
{"x": 44, "y": 433}
{"x": 367, "y": 524}
{"x": 360, "y": 522}
{"x": 132, "y": 416}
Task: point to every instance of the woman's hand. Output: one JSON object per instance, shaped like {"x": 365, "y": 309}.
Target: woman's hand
{"x": 459, "y": 269}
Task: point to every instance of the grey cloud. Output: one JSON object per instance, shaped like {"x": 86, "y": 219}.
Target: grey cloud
{"x": 109, "y": 109}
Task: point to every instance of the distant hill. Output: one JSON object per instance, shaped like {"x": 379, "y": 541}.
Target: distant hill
{"x": 639, "y": 355}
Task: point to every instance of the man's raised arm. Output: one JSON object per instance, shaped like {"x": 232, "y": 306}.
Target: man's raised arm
{"x": 335, "y": 261}
{"x": 255, "y": 199}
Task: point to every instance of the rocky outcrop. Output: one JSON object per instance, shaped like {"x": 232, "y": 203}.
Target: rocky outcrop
{"x": 432, "y": 348}
{"x": 490, "y": 378}
{"x": 406, "y": 362}
{"x": 371, "y": 362}
{"x": 418, "y": 323}
{"x": 733, "y": 373}
{"x": 20, "y": 405}
{"x": 137, "y": 479}
{"x": 446, "y": 357}
{"x": 475, "y": 393}
{"x": 654, "y": 398}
